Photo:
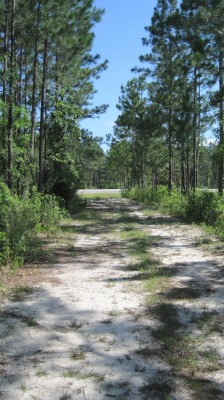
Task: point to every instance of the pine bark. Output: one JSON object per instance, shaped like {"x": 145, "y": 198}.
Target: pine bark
{"x": 42, "y": 113}
{"x": 221, "y": 125}
{"x": 11, "y": 81}
{"x": 34, "y": 88}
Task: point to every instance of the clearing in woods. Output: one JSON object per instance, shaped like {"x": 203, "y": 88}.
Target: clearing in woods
{"x": 127, "y": 305}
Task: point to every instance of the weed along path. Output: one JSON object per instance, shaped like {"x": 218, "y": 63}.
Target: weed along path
{"x": 130, "y": 305}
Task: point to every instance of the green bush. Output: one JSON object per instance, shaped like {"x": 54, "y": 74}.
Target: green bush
{"x": 4, "y": 249}
{"x": 204, "y": 206}
{"x": 20, "y": 221}
{"x": 174, "y": 203}
{"x": 199, "y": 207}
{"x": 50, "y": 212}
{"x": 151, "y": 196}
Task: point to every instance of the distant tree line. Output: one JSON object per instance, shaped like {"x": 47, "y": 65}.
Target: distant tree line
{"x": 175, "y": 97}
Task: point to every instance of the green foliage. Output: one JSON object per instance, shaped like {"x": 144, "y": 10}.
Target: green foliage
{"x": 200, "y": 207}
{"x": 4, "y": 249}
{"x": 20, "y": 221}
{"x": 204, "y": 206}
{"x": 175, "y": 203}
{"x": 153, "y": 196}
{"x": 48, "y": 211}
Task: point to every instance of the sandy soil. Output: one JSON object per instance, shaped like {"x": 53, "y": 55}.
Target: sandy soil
{"x": 83, "y": 330}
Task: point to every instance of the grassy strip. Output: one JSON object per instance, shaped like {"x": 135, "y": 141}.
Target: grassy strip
{"x": 100, "y": 196}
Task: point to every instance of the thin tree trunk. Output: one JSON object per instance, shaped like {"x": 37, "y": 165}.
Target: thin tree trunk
{"x": 188, "y": 172}
{"x": 170, "y": 179}
{"x": 11, "y": 81}
{"x": 34, "y": 88}
{"x": 4, "y": 89}
{"x": 194, "y": 177}
{"x": 6, "y": 37}
{"x": 26, "y": 81}
{"x": 183, "y": 178}
{"x": 42, "y": 113}
{"x": 170, "y": 147}
{"x": 20, "y": 81}
{"x": 221, "y": 125}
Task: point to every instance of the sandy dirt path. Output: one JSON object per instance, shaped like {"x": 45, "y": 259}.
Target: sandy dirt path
{"x": 92, "y": 330}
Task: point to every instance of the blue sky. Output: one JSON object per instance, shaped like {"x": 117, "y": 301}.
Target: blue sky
{"x": 118, "y": 39}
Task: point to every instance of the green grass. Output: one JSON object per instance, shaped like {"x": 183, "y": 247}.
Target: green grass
{"x": 32, "y": 322}
{"x": 2, "y": 288}
{"x": 93, "y": 376}
{"x": 22, "y": 291}
{"x": 23, "y": 388}
{"x": 40, "y": 373}
{"x": 208, "y": 322}
{"x": 158, "y": 280}
{"x": 101, "y": 196}
{"x": 77, "y": 354}
{"x": 138, "y": 241}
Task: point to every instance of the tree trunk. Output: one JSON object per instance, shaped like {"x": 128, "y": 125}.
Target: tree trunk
{"x": 5, "y": 66}
{"x": 194, "y": 174}
{"x": 183, "y": 178}
{"x": 4, "y": 87}
{"x": 11, "y": 81}
{"x": 170, "y": 147}
{"x": 221, "y": 125}
{"x": 170, "y": 178}
{"x": 34, "y": 88}
{"x": 42, "y": 113}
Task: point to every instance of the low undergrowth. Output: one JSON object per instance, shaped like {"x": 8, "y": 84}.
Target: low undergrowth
{"x": 22, "y": 219}
{"x": 201, "y": 207}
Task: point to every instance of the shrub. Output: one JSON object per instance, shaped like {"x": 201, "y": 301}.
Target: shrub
{"x": 175, "y": 203}
{"x": 50, "y": 213}
{"x": 4, "y": 249}
{"x": 20, "y": 221}
{"x": 204, "y": 206}
{"x": 201, "y": 206}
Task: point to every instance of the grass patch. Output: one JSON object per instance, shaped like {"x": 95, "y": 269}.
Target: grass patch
{"x": 23, "y": 388}
{"x": 183, "y": 293}
{"x": 104, "y": 339}
{"x": 93, "y": 376}
{"x": 2, "y": 288}
{"x": 158, "y": 279}
{"x": 153, "y": 299}
{"x": 203, "y": 240}
{"x": 40, "y": 374}
{"x": 113, "y": 313}
{"x": 161, "y": 389}
{"x": 128, "y": 219}
{"x": 78, "y": 354}
{"x": 138, "y": 241}
{"x": 70, "y": 247}
{"x": 32, "y": 322}
{"x": 19, "y": 293}
{"x": 28, "y": 320}
{"x": 101, "y": 196}
{"x": 208, "y": 322}
{"x": 204, "y": 389}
